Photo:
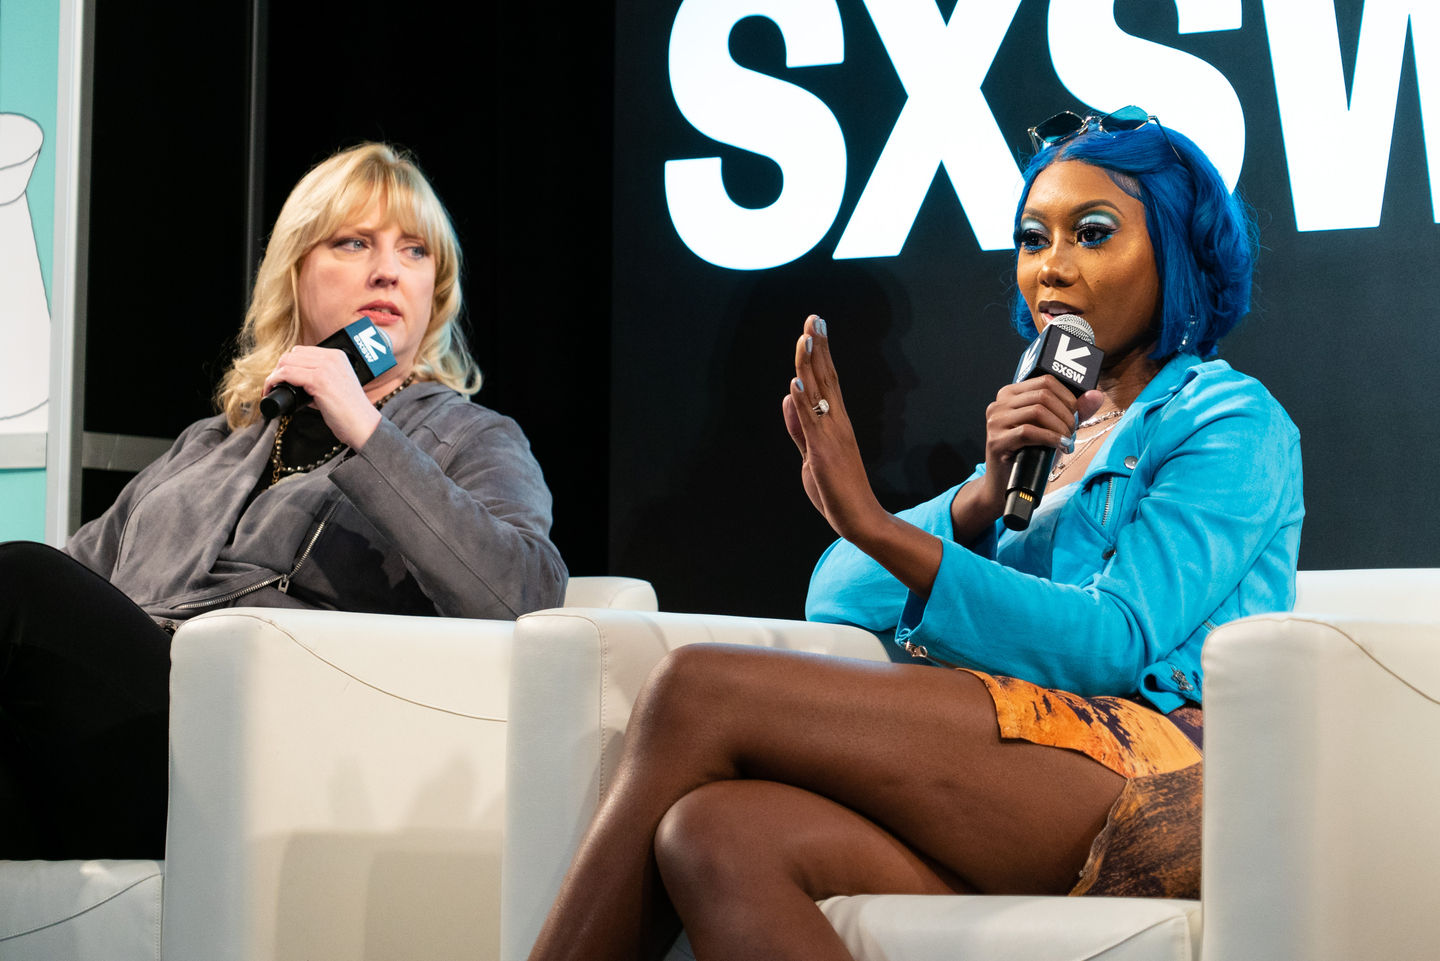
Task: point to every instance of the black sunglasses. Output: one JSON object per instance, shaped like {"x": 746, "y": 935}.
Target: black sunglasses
{"x": 1067, "y": 124}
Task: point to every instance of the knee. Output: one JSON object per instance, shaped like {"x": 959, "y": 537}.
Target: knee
{"x": 24, "y": 564}
{"x": 685, "y": 685}
{"x": 707, "y": 843}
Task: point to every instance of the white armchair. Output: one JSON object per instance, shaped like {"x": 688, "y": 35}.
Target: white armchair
{"x": 337, "y": 791}
{"x": 1320, "y": 836}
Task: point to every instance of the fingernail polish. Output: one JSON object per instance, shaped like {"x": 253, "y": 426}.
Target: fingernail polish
{"x": 809, "y": 344}
{"x": 1077, "y": 420}
{"x": 820, "y": 326}
{"x": 1069, "y": 445}
{"x": 800, "y": 385}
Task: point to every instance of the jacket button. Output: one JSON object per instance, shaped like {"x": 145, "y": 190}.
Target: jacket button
{"x": 1131, "y": 461}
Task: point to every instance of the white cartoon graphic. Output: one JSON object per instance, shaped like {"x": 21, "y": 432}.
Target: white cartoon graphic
{"x": 24, "y": 312}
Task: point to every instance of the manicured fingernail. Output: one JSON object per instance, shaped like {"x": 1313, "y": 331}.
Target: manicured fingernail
{"x": 1069, "y": 445}
{"x": 799, "y": 385}
{"x": 1077, "y": 420}
{"x": 809, "y": 344}
{"x": 820, "y": 326}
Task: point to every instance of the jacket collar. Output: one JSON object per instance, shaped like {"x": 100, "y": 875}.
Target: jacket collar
{"x": 414, "y": 401}
{"x": 1128, "y": 437}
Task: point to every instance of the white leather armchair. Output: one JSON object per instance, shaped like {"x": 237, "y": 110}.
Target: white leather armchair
{"x": 1321, "y": 840}
{"x": 337, "y": 791}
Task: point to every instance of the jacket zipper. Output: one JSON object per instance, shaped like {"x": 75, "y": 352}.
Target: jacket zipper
{"x": 281, "y": 581}
{"x": 1109, "y": 498}
{"x": 212, "y": 601}
{"x": 284, "y": 584}
{"x": 920, "y": 651}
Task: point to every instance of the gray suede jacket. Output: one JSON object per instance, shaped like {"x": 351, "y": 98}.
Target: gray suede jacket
{"x": 444, "y": 512}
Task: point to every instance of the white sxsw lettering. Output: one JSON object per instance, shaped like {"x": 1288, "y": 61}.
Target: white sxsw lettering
{"x": 1338, "y": 152}
{"x": 759, "y": 113}
{"x": 1184, "y": 92}
{"x": 1209, "y": 16}
{"x": 1066, "y": 372}
{"x": 945, "y": 120}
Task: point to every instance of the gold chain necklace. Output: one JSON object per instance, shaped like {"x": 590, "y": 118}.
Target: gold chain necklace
{"x": 280, "y": 470}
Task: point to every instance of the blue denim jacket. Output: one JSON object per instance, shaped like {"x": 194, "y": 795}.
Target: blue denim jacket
{"x": 1188, "y": 517}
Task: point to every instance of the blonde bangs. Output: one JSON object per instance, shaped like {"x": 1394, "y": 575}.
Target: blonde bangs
{"x": 340, "y": 190}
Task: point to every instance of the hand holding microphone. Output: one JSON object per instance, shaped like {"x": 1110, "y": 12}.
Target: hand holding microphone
{"x": 332, "y": 374}
{"x": 1065, "y": 350}
{"x": 1029, "y": 419}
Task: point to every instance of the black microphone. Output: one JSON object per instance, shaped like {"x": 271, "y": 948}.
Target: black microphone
{"x": 1066, "y": 349}
{"x": 368, "y": 349}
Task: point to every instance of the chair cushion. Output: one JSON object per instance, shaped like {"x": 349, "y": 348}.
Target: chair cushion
{"x": 931, "y": 928}
{"x": 101, "y": 910}
{"x": 898, "y": 927}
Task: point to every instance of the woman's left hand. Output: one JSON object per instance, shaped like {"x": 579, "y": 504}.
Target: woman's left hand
{"x": 327, "y": 376}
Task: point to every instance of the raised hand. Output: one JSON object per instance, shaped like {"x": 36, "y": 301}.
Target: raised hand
{"x": 832, "y": 471}
{"x": 834, "y": 476}
{"x": 330, "y": 380}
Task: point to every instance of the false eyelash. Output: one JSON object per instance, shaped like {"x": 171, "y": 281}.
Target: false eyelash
{"x": 1106, "y": 232}
{"x": 1020, "y": 236}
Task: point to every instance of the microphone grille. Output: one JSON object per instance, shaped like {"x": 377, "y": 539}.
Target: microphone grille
{"x": 1075, "y": 327}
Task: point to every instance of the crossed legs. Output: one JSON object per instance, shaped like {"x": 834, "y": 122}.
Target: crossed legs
{"x": 755, "y": 782}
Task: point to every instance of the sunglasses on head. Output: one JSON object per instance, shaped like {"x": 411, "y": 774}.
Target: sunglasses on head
{"x": 1066, "y": 124}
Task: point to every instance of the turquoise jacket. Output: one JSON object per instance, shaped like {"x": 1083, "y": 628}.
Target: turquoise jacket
{"x": 1188, "y": 517}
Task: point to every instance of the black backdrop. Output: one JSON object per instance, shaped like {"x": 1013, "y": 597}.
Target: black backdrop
{"x": 657, "y": 421}
{"x": 167, "y": 218}
{"x": 705, "y": 493}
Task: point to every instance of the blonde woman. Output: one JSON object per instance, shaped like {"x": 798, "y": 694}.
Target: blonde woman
{"x": 398, "y": 497}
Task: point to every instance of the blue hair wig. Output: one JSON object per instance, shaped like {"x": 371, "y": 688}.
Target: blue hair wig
{"x": 1204, "y": 237}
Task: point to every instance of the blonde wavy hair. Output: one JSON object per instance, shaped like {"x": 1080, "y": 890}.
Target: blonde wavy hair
{"x": 344, "y": 187}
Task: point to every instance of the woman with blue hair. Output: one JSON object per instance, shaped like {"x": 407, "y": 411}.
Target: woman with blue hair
{"x": 1062, "y": 754}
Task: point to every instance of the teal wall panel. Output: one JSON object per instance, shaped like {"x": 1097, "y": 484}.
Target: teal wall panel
{"x": 29, "y": 74}
{"x": 22, "y": 505}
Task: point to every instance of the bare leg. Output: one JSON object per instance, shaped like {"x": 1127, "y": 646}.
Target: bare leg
{"x": 915, "y": 750}
{"x": 745, "y": 861}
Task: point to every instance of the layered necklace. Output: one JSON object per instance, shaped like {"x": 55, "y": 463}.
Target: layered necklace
{"x": 280, "y": 471}
{"x": 1088, "y": 442}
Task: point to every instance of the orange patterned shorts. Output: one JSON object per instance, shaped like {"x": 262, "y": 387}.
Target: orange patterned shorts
{"x": 1150, "y": 845}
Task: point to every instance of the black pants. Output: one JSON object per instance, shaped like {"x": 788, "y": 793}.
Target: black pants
{"x": 84, "y": 713}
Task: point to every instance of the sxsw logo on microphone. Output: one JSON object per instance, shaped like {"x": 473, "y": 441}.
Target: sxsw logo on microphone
{"x": 373, "y": 347}
{"x": 1066, "y": 361}
{"x": 1075, "y": 362}
{"x": 369, "y": 347}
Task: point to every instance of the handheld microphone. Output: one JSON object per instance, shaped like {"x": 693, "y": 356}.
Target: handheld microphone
{"x": 368, "y": 349}
{"x": 1066, "y": 349}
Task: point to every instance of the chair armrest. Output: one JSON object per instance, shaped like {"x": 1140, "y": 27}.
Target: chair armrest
{"x": 336, "y": 786}
{"x": 1321, "y": 777}
{"x": 616, "y": 593}
{"x": 573, "y": 682}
